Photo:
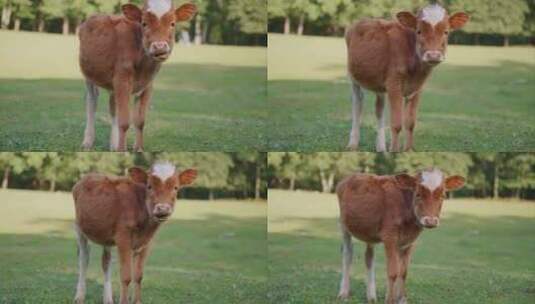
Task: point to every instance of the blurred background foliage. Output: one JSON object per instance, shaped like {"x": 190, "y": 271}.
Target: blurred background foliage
{"x": 496, "y": 175}
{"x": 496, "y": 22}
{"x": 232, "y": 22}
{"x": 221, "y": 175}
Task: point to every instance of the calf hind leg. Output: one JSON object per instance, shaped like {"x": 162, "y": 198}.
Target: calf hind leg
{"x": 347, "y": 259}
{"x": 106, "y": 268}
{"x": 357, "y": 98}
{"x": 380, "y": 144}
{"x": 83, "y": 262}
{"x": 370, "y": 277}
{"x": 91, "y": 98}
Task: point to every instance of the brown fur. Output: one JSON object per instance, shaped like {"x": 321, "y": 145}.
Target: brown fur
{"x": 386, "y": 57}
{"x": 387, "y": 209}
{"x": 120, "y": 211}
{"x": 114, "y": 55}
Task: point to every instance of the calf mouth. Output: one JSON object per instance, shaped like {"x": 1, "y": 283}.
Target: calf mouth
{"x": 161, "y": 217}
{"x": 160, "y": 56}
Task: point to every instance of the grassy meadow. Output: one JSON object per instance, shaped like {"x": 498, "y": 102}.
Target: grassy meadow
{"x": 479, "y": 99}
{"x": 206, "y": 98}
{"x": 194, "y": 258}
{"x": 481, "y": 253}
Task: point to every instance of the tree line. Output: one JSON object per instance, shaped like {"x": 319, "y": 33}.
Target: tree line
{"x": 236, "y": 22}
{"x": 237, "y": 175}
{"x": 496, "y": 22}
{"x": 496, "y": 175}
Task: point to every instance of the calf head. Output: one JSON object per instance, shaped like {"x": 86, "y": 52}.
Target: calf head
{"x": 158, "y": 19}
{"x": 432, "y": 27}
{"x": 429, "y": 188}
{"x": 162, "y": 184}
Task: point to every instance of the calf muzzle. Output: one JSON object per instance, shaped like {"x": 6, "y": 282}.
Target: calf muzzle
{"x": 433, "y": 57}
{"x": 159, "y": 50}
{"x": 430, "y": 221}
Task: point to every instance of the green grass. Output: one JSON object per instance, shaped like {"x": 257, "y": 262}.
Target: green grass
{"x": 209, "y": 252}
{"x": 481, "y": 253}
{"x": 480, "y": 99}
{"x": 206, "y": 98}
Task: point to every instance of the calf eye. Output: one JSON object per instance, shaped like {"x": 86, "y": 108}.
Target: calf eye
{"x": 144, "y": 24}
{"x": 419, "y": 32}
{"x": 173, "y": 24}
{"x": 149, "y": 187}
{"x": 446, "y": 32}
{"x": 176, "y": 188}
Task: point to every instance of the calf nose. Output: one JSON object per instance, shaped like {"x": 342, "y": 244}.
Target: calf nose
{"x": 433, "y": 56}
{"x": 162, "y": 209}
{"x": 160, "y": 47}
{"x": 430, "y": 221}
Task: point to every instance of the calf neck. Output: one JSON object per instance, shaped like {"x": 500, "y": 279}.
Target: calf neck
{"x": 123, "y": 54}
{"x": 392, "y": 210}
{"x": 395, "y": 58}
{"x": 125, "y": 212}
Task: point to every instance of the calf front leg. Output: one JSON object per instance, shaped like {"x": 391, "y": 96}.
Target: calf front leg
{"x": 139, "y": 116}
{"x": 139, "y": 262}
{"x": 395, "y": 98}
{"x": 121, "y": 90}
{"x": 405, "y": 261}
{"x": 125, "y": 259}
{"x": 393, "y": 272}
{"x": 347, "y": 258}
{"x": 411, "y": 109}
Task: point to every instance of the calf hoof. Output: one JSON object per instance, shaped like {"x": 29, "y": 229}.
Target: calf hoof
{"x": 352, "y": 146}
{"x": 402, "y": 300}
{"x": 78, "y": 301}
{"x": 86, "y": 146}
{"x": 343, "y": 295}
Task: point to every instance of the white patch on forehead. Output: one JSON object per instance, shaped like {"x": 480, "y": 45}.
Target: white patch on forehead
{"x": 163, "y": 170}
{"x": 433, "y": 14}
{"x": 432, "y": 179}
{"x": 158, "y": 7}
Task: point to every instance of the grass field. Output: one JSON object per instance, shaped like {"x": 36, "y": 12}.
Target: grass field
{"x": 481, "y": 253}
{"x": 209, "y": 252}
{"x": 206, "y": 98}
{"x": 480, "y": 99}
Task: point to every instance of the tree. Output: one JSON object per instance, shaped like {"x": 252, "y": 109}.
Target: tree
{"x": 280, "y": 9}
{"x": 10, "y": 162}
{"x": 67, "y": 10}
{"x": 504, "y": 17}
{"x": 250, "y": 15}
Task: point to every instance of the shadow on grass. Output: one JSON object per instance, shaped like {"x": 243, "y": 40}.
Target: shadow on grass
{"x": 219, "y": 259}
{"x": 466, "y": 260}
{"x": 493, "y": 105}
{"x": 199, "y": 107}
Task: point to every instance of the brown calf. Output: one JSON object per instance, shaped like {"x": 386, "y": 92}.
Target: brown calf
{"x": 396, "y": 58}
{"x": 392, "y": 210}
{"x": 125, "y": 212}
{"x": 122, "y": 54}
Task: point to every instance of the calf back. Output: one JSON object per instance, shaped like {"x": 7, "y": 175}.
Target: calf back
{"x": 107, "y": 205}
{"x": 373, "y": 208}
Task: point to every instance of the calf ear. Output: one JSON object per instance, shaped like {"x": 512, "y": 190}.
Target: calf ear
{"x": 187, "y": 177}
{"x": 138, "y": 175}
{"x": 405, "y": 181}
{"x": 407, "y": 19}
{"x": 458, "y": 20}
{"x": 131, "y": 12}
{"x": 454, "y": 182}
{"x": 185, "y": 12}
